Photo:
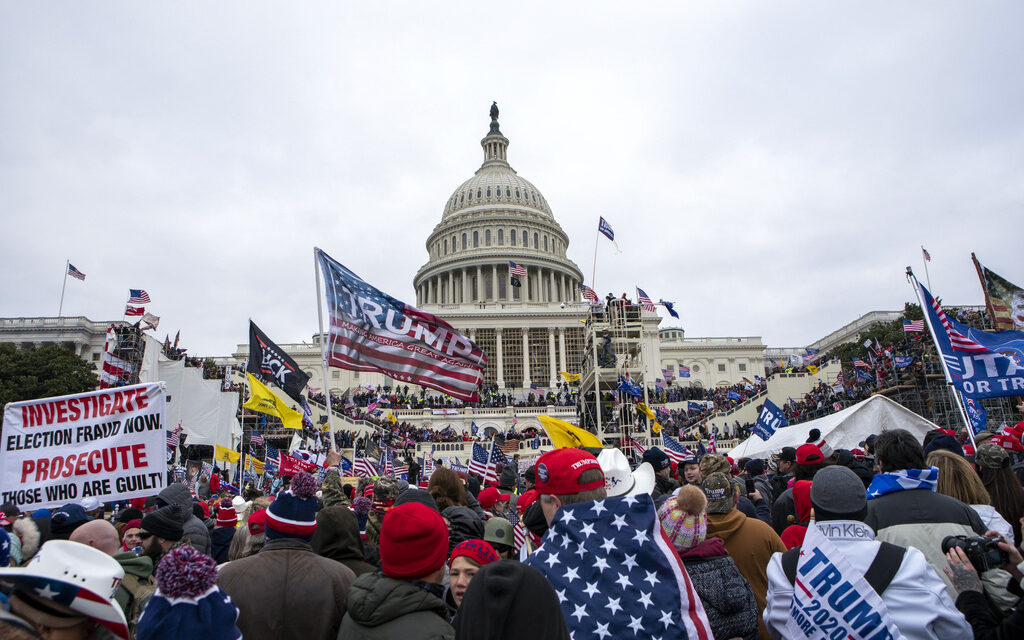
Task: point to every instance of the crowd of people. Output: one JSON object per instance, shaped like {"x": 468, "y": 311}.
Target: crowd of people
{"x": 924, "y": 535}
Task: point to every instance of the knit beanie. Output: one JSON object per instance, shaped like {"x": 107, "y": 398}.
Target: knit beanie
{"x": 838, "y": 494}
{"x": 188, "y": 603}
{"x": 754, "y": 467}
{"x": 413, "y": 541}
{"x": 684, "y": 518}
{"x": 226, "y": 514}
{"x": 293, "y": 513}
{"x": 945, "y": 442}
{"x": 479, "y": 551}
{"x": 165, "y": 522}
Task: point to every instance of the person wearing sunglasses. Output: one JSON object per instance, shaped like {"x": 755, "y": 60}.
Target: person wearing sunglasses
{"x": 162, "y": 530}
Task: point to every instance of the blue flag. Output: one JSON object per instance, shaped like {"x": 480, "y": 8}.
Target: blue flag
{"x": 694, "y": 406}
{"x": 865, "y": 376}
{"x": 976, "y": 413}
{"x": 631, "y": 388}
{"x": 902, "y": 361}
{"x": 980, "y": 364}
{"x": 473, "y": 429}
{"x": 668, "y": 307}
{"x": 771, "y": 418}
{"x": 346, "y": 465}
{"x": 732, "y": 395}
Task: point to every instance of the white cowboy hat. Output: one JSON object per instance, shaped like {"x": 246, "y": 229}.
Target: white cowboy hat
{"x": 76, "y": 577}
{"x": 619, "y": 480}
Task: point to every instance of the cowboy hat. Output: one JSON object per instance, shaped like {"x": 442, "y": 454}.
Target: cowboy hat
{"x": 619, "y": 480}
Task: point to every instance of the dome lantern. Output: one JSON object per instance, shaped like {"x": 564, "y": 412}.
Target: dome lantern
{"x": 494, "y": 144}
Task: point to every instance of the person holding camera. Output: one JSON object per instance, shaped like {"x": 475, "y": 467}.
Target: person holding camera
{"x": 964, "y": 558}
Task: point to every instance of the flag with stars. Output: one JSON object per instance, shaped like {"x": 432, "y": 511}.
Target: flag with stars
{"x": 674, "y": 449}
{"x": 372, "y": 331}
{"x": 616, "y": 575}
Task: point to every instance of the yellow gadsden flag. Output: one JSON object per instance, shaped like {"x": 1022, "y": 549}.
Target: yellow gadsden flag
{"x": 563, "y": 434}
{"x": 811, "y": 369}
{"x": 223, "y": 454}
{"x": 644, "y": 409}
{"x": 263, "y": 400}
{"x": 570, "y": 377}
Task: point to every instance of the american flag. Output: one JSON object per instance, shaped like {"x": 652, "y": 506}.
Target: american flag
{"x": 75, "y": 273}
{"x": 645, "y": 300}
{"x": 957, "y": 340}
{"x": 114, "y": 370}
{"x": 615, "y": 573}
{"x": 636, "y": 445}
{"x": 589, "y": 295}
{"x": 927, "y": 256}
{"x": 134, "y": 311}
{"x": 364, "y": 467}
{"x": 684, "y": 371}
{"x": 857, "y": 362}
{"x": 675, "y": 450}
{"x": 272, "y": 453}
{"x": 479, "y": 463}
{"x": 257, "y": 439}
{"x": 172, "y": 438}
{"x": 516, "y": 269}
{"x": 605, "y": 228}
{"x": 913, "y": 326}
{"x": 137, "y": 296}
{"x": 400, "y": 341}
{"x": 427, "y": 468}
{"x": 401, "y": 467}
{"x": 712, "y": 439}
{"x": 536, "y": 389}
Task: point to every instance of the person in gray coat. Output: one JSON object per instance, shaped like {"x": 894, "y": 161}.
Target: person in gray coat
{"x": 195, "y": 531}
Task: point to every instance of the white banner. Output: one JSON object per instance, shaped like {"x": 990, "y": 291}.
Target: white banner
{"x": 108, "y": 444}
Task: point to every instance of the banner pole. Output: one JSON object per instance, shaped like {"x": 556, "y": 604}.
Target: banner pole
{"x": 935, "y": 341}
{"x": 924, "y": 260}
{"x": 60, "y": 309}
{"x": 593, "y": 273}
{"x": 323, "y": 351}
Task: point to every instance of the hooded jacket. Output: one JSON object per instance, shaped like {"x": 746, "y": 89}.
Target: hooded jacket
{"x": 195, "y": 531}
{"x": 337, "y": 537}
{"x": 727, "y": 598}
{"x": 287, "y": 591}
{"x": 220, "y": 543}
{"x": 508, "y": 600}
{"x": 921, "y": 518}
{"x": 383, "y": 608}
{"x": 463, "y": 524}
{"x": 916, "y": 598}
{"x": 751, "y": 544}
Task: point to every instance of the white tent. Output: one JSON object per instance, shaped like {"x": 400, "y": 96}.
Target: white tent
{"x": 845, "y": 429}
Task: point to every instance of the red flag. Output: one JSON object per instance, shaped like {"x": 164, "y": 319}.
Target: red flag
{"x": 134, "y": 311}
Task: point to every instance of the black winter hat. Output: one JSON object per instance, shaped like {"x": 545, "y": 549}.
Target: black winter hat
{"x": 165, "y": 522}
{"x": 658, "y": 459}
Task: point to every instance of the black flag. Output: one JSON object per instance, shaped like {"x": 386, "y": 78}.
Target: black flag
{"x": 270, "y": 363}
{"x": 515, "y": 281}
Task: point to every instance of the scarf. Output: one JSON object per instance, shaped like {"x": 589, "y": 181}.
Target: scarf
{"x": 902, "y": 480}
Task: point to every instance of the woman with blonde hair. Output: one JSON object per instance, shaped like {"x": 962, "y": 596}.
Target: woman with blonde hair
{"x": 958, "y": 479}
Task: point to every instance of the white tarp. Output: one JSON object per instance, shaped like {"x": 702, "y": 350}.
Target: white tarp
{"x": 845, "y": 429}
{"x": 207, "y": 414}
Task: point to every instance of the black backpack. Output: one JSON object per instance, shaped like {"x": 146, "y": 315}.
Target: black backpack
{"x": 883, "y": 568}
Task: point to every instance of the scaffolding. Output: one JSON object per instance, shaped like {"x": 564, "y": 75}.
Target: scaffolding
{"x": 614, "y": 350}
{"x": 122, "y": 357}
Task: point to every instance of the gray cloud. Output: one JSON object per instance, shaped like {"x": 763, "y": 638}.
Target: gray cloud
{"x": 772, "y": 169}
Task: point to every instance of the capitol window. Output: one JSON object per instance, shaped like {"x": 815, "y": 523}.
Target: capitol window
{"x": 454, "y": 244}
{"x": 488, "y": 192}
{"x": 721, "y": 368}
{"x": 545, "y": 243}
{"x": 508, "y": 192}
{"x": 512, "y": 236}
{"x": 487, "y": 237}
{"x": 501, "y": 237}
{"x": 446, "y": 246}
{"x": 462, "y": 198}
{"x": 463, "y": 242}
{"x": 517, "y": 193}
{"x": 536, "y": 241}
{"x": 477, "y": 193}
{"x": 743, "y": 366}
{"x": 470, "y": 194}
{"x": 476, "y": 239}
{"x": 526, "y": 242}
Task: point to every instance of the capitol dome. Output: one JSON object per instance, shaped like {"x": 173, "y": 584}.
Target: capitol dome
{"x": 494, "y": 218}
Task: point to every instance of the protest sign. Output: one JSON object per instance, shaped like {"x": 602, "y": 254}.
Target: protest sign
{"x": 108, "y": 444}
{"x": 291, "y": 465}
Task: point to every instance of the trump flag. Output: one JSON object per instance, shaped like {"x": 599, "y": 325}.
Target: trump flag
{"x": 371, "y": 331}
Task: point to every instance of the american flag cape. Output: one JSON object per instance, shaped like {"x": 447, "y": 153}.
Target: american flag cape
{"x": 616, "y": 574}
{"x": 712, "y": 448}
{"x": 371, "y": 331}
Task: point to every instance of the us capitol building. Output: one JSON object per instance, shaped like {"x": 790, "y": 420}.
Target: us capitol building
{"x": 529, "y": 333}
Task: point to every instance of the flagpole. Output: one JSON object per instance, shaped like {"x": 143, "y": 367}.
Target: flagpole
{"x": 593, "y": 273}
{"x": 945, "y": 368}
{"x": 67, "y": 264}
{"x": 927, "y": 277}
{"x": 323, "y": 351}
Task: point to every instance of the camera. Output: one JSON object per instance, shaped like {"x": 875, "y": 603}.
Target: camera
{"x": 984, "y": 553}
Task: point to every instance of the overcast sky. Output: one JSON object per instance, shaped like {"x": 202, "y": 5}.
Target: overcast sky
{"x": 770, "y": 167}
